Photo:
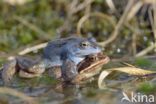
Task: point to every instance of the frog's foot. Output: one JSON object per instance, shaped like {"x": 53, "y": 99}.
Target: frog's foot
{"x": 33, "y": 71}
{"x": 29, "y": 68}
{"x": 8, "y": 70}
{"x": 54, "y": 72}
{"x": 25, "y": 74}
{"x": 26, "y": 67}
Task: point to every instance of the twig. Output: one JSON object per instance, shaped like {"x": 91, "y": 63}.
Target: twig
{"x": 88, "y": 8}
{"x": 134, "y": 43}
{"x": 134, "y": 10}
{"x": 154, "y": 21}
{"x": 119, "y": 24}
{"x": 13, "y": 92}
{"x": 16, "y": 2}
{"x": 154, "y": 7}
{"x": 34, "y": 48}
{"x": 41, "y": 34}
{"x": 73, "y": 8}
{"x": 153, "y": 24}
{"x": 29, "y": 49}
{"x": 135, "y": 31}
{"x": 111, "y": 5}
{"x": 146, "y": 50}
{"x": 81, "y": 6}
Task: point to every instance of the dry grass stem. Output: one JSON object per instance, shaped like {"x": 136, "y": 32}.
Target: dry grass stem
{"x": 111, "y": 5}
{"x": 95, "y": 14}
{"x": 134, "y": 10}
{"x": 134, "y": 48}
{"x": 13, "y": 92}
{"x": 28, "y": 50}
{"x": 153, "y": 24}
{"x": 74, "y": 9}
{"x": 34, "y": 48}
{"x": 16, "y": 2}
{"x": 119, "y": 24}
{"x": 145, "y": 51}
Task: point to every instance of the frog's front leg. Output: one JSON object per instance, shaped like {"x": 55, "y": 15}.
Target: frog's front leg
{"x": 69, "y": 70}
{"x": 8, "y": 70}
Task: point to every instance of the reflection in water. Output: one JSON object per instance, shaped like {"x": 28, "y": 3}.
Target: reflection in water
{"x": 77, "y": 94}
{"x": 48, "y": 91}
{"x": 72, "y": 94}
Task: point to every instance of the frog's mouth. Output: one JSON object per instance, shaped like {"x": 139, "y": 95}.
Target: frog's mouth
{"x": 92, "y": 62}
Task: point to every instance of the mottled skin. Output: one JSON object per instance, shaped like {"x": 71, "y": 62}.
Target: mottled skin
{"x": 66, "y": 53}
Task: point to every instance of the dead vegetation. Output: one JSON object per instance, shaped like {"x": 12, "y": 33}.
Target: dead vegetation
{"x": 110, "y": 24}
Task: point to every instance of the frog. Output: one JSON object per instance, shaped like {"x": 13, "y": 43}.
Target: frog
{"x": 90, "y": 67}
{"x": 65, "y": 54}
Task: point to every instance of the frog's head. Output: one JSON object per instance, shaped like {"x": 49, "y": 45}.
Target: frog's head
{"x": 90, "y": 67}
{"x": 82, "y": 47}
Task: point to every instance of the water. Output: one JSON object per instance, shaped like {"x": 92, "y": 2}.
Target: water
{"x": 49, "y": 91}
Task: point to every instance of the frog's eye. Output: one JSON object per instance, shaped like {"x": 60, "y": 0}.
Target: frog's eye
{"x": 84, "y": 44}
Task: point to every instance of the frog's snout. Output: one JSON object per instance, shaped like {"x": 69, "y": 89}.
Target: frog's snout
{"x": 98, "y": 49}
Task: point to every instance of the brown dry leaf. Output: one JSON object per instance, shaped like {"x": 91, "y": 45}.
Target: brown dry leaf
{"x": 128, "y": 70}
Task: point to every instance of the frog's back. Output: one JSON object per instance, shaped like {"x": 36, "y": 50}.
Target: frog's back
{"x": 52, "y": 52}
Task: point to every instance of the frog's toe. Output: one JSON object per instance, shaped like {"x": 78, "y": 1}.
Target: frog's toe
{"x": 37, "y": 69}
